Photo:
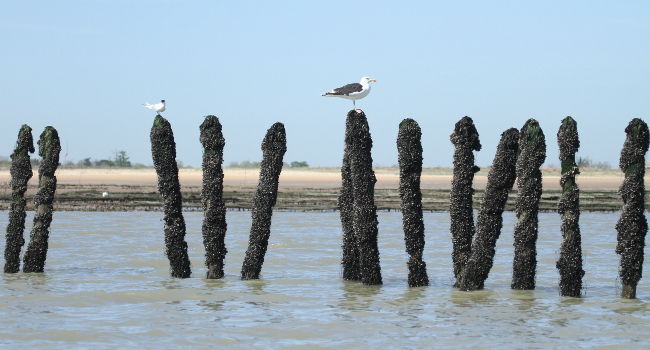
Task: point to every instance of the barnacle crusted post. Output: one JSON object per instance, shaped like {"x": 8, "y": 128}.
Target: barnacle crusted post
{"x": 273, "y": 148}
{"x": 214, "y": 209}
{"x": 466, "y": 141}
{"x": 163, "y": 150}
{"x": 532, "y": 153}
{"x": 409, "y": 148}
{"x": 21, "y": 172}
{"x": 365, "y": 211}
{"x": 49, "y": 148}
{"x": 632, "y": 226}
{"x": 500, "y": 180}
{"x": 350, "y": 256}
{"x": 570, "y": 262}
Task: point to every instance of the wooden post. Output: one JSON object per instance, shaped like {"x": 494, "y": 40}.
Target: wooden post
{"x": 466, "y": 141}
{"x": 490, "y": 220}
{"x": 21, "y": 172}
{"x": 409, "y": 148}
{"x": 214, "y": 209}
{"x": 632, "y": 226}
{"x": 350, "y": 256}
{"x": 532, "y": 153}
{"x": 163, "y": 150}
{"x": 49, "y": 148}
{"x": 570, "y": 262}
{"x": 273, "y": 148}
{"x": 363, "y": 192}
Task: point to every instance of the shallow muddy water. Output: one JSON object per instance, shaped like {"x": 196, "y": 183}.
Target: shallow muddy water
{"x": 107, "y": 285}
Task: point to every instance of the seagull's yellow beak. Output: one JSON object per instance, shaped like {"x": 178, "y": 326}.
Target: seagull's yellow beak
{"x": 373, "y": 80}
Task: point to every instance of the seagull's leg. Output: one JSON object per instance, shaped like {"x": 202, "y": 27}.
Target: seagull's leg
{"x": 354, "y": 104}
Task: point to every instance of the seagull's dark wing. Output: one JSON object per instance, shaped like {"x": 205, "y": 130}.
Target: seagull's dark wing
{"x": 346, "y": 90}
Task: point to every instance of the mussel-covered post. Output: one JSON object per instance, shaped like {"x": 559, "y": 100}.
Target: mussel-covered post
{"x": 501, "y": 178}
{"x": 163, "y": 150}
{"x": 49, "y": 147}
{"x": 466, "y": 141}
{"x": 363, "y": 192}
{"x": 532, "y": 153}
{"x": 632, "y": 226}
{"x": 273, "y": 148}
{"x": 570, "y": 262}
{"x": 214, "y": 209}
{"x": 409, "y": 147}
{"x": 21, "y": 172}
{"x": 350, "y": 256}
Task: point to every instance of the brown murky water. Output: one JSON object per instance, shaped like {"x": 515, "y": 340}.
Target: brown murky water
{"x": 107, "y": 286}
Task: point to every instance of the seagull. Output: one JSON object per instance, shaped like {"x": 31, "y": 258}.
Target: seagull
{"x": 104, "y": 194}
{"x": 158, "y": 107}
{"x": 354, "y": 91}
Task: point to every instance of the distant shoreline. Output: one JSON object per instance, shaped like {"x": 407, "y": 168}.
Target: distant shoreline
{"x": 301, "y": 189}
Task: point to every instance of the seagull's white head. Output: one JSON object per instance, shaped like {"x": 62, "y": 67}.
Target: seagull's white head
{"x": 366, "y": 80}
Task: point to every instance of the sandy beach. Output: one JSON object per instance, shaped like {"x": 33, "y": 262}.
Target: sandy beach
{"x": 299, "y": 189}
{"x": 435, "y": 178}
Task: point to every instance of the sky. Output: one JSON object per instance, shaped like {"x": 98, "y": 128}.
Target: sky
{"x": 86, "y": 67}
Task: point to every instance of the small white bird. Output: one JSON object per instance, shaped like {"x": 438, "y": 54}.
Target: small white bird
{"x": 354, "y": 91}
{"x": 104, "y": 194}
{"x": 158, "y": 107}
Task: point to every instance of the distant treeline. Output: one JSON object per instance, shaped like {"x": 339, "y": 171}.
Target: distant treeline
{"x": 248, "y": 164}
{"x": 585, "y": 162}
{"x": 120, "y": 160}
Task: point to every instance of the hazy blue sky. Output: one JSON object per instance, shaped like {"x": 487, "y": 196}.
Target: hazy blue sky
{"x": 85, "y": 67}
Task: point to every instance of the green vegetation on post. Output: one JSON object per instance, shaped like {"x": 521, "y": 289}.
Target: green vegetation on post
{"x": 273, "y": 148}
{"x": 532, "y": 153}
{"x": 49, "y": 147}
{"x": 163, "y": 151}
{"x": 570, "y": 262}
{"x": 21, "y": 172}
{"x": 214, "y": 210}
{"x": 632, "y": 226}
{"x": 466, "y": 140}
{"x": 409, "y": 147}
{"x": 501, "y": 178}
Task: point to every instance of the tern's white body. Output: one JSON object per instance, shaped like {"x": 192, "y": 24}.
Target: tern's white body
{"x": 157, "y": 107}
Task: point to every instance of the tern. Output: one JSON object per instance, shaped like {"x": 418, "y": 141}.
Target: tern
{"x": 157, "y": 107}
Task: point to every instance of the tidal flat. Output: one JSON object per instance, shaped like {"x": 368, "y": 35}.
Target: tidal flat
{"x": 106, "y": 285}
